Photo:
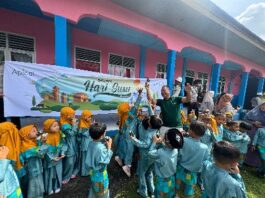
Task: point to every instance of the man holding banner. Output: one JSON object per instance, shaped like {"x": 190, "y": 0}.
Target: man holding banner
{"x": 170, "y": 106}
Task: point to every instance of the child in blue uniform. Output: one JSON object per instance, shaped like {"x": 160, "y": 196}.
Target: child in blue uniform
{"x": 220, "y": 120}
{"x": 165, "y": 164}
{"x": 147, "y": 129}
{"x": 191, "y": 158}
{"x": 69, "y": 129}
{"x": 9, "y": 184}
{"x": 99, "y": 152}
{"x": 221, "y": 178}
{"x": 84, "y": 139}
{"x": 259, "y": 143}
{"x": 52, "y": 163}
{"x": 32, "y": 152}
{"x": 238, "y": 139}
{"x": 125, "y": 146}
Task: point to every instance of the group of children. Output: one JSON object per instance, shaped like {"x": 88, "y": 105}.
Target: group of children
{"x": 206, "y": 154}
{"x": 33, "y": 163}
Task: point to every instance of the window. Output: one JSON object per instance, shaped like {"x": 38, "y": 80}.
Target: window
{"x": 15, "y": 48}
{"x": 161, "y": 70}
{"x": 190, "y": 75}
{"x": 221, "y": 86}
{"x": 121, "y": 66}
{"x": 87, "y": 59}
{"x": 204, "y": 79}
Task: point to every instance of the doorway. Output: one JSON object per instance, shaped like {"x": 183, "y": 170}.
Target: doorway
{"x": 251, "y": 91}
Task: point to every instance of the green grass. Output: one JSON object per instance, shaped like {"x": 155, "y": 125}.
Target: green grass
{"x": 255, "y": 186}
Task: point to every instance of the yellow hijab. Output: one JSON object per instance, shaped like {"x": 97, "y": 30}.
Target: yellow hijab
{"x": 9, "y": 137}
{"x": 26, "y": 142}
{"x": 183, "y": 117}
{"x": 214, "y": 125}
{"x": 53, "y": 138}
{"x": 123, "y": 110}
{"x": 66, "y": 113}
{"x": 83, "y": 123}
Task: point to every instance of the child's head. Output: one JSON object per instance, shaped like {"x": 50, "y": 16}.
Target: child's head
{"x": 85, "y": 119}
{"x": 155, "y": 122}
{"x": 226, "y": 154}
{"x": 220, "y": 118}
{"x": 197, "y": 129}
{"x": 51, "y": 125}
{"x": 229, "y": 116}
{"x": 67, "y": 116}
{"x": 97, "y": 131}
{"x": 174, "y": 138}
{"x": 233, "y": 126}
{"x": 243, "y": 127}
{"x": 262, "y": 107}
{"x": 28, "y": 132}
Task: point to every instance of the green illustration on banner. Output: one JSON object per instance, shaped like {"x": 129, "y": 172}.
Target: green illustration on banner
{"x": 80, "y": 92}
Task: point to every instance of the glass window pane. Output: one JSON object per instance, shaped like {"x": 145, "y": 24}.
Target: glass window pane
{"x": 21, "y": 57}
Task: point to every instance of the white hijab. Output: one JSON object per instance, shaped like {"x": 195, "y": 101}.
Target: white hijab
{"x": 208, "y": 97}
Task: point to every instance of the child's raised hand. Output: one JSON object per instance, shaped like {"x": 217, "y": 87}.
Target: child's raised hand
{"x": 156, "y": 139}
{"x": 4, "y": 152}
{"x": 44, "y": 138}
{"x": 109, "y": 143}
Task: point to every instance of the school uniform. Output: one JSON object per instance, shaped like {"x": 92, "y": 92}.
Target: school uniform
{"x": 165, "y": 163}
{"x": 53, "y": 170}
{"x": 218, "y": 183}
{"x": 70, "y": 163}
{"x": 32, "y": 161}
{"x": 85, "y": 139}
{"x": 259, "y": 141}
{"x": 9, "y": 183}
{"x": 238, "y": 139}
{"x": 191, "y": 158}
{"x": 125, "y": 146}
{"x": 99, "y": 158}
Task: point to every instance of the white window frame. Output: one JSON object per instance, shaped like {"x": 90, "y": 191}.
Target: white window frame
{"x": 203, "y": 80}
{"x": 131, "y": 68}
{"x": 9, "y": 50}
{"x": 192, "y": 77}
{"x": 158, "y": 72}
{"x": 100, "y": 57}
{"x": 223, "y": 83}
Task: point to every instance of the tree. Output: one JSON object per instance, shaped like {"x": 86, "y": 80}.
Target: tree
{"x": 33, "y": 101}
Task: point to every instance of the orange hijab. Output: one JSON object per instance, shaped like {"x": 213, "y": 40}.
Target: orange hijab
{"x": 66, "y": 114}
{"x": 123, "y": 110}
{"x": 53, "y": 138}
{"x": 26, "y": 142}
{"x": 83, "y": 123}
{"x": 9, "y": 137}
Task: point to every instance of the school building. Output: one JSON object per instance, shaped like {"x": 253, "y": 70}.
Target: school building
{"x": 137, "y": 38}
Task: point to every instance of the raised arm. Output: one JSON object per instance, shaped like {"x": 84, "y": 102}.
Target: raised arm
{"x": 188, "y": 96}
{"x": 149, "y": 93}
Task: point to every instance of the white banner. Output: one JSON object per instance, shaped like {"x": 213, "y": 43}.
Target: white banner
{"x": 42, "y": 90}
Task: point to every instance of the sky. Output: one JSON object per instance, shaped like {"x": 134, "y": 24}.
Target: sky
{"x": 250, "y": 13}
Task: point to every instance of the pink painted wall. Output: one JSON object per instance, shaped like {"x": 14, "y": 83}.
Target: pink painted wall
{"x": 153, "y": 57}
{"x": 234, "y": 79}
{"x": 173, "y": 39}
{"x": 42, "y": 30}
{"x": 105, "y": 45}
